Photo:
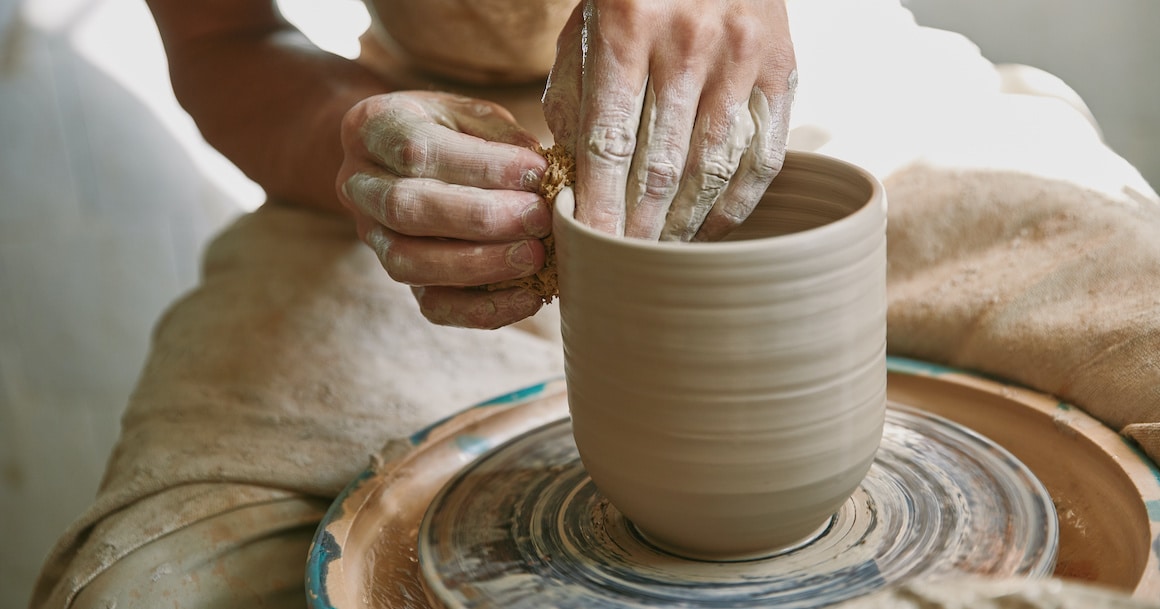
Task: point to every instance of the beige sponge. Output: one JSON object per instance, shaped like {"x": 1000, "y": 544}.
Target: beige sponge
{"x": 561, "y": 172}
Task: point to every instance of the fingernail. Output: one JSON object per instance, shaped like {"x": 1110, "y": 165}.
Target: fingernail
{"x": 537, "y": 220}
{"x": 531, "y": 180}
{"x": 526, "y": 299}
{"x": 519, "y": 257}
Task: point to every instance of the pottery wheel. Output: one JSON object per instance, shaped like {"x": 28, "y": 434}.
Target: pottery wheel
{"x": 525, "y": 527}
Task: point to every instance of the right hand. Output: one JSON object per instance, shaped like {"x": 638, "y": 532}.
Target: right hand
{"x": 443, "y": 189}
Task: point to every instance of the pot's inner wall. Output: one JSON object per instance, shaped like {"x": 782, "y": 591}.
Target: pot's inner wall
{"x": 807, "y": 194}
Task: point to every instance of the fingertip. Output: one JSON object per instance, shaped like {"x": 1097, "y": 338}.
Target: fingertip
{"x": 475, "y": 308}
{"x": 530, "y": 167}
{"x": 526, "y": 257}
{"x": 521, "y": 304}
{"x": 537, "y": 219}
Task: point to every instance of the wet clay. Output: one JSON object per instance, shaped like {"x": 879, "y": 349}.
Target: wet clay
{"x": 728, "y": 396}
{"x": 372, "y": 531}
{"x": 524, "y": 527}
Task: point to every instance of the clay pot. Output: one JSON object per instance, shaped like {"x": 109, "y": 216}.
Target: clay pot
{"x": 728, "y": 397}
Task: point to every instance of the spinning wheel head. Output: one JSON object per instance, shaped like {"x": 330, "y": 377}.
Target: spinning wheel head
{"x": 525, "y": 527}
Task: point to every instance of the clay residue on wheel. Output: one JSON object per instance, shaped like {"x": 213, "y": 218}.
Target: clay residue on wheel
{"x": 561, "y": 172}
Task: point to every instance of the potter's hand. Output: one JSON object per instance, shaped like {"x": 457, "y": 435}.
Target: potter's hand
{"x": 677, "y": 111}
{"x": 443, "y": 188}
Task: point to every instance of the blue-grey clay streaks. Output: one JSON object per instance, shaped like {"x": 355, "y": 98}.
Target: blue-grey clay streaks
{"x": 918, "y": 367}
{"x": 324, "y": 549}
{"x": 1152, "y": 506}
{"x": 915, "y": 367}
{"x": 513, "y": 398}
{"x": 524, "y": 527}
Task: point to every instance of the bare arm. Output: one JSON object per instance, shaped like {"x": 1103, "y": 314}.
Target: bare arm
{"x": 263, "y": 94}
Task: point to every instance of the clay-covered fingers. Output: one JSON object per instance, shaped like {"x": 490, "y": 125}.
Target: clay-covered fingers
{"x": 758, "y": 166}
{"x": 473, "y": 308}
{"x": 682, "y": 110}
{"x": 720, "y": 137}
{"x": 661, "y": 154}
{"x": 733, "y": 154}
{"x": 443, "y": 189}
{"x": 613, "y": 87}
{"x": 431, "y": 261}
{"x": 424, "y": 207}
{"x": 445, "y": 138}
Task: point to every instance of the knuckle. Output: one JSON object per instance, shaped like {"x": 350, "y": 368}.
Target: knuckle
{"x": 715, "y": 171}
{"x": 662, "y": 178}
{"x": 766, "y": 165}
{"x": 357, "y": 188}
{"x": 380, "y": 243}
{"x": 400, "y": 204}
{"x": 696, "y": 33}
{"x": 413, "y": 155}
{"x": 352, "y": 122}
{"x": 628, "y": 14}
{"x": 611, "y": 141}
{"x": 389, "y": 129}
{"x": 484, "y": 216}
{"x": 395, "y": 258}
{"x": 744, "y": 38}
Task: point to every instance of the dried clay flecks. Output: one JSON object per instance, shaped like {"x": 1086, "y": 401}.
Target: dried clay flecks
{"x": 561, "y": 172}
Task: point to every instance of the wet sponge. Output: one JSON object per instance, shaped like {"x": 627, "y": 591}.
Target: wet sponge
{"x": 561, "y": 172}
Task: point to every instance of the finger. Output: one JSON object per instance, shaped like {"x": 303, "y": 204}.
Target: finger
{"x": 487, "y": 120}
{"x": 759, "y": 166}
{"x": 721, "y": 135}
{"x": 613, "y": 97}
{"x": 422, "y": 207}
{"x": 659, "y": 160}
{"x": 412, "y": 143}
{"x": 474, "y": 308}
{"x": 561, "y": 101}
{"x": 429, "y": 261}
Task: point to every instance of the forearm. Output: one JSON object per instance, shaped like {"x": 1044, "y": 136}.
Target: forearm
{"x": 271, "y": 102}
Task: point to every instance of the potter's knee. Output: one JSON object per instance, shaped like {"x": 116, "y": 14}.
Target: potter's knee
{"x": 252, "y": 556}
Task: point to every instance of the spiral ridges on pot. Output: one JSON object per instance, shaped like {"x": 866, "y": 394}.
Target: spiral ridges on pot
{"x": 728, "y": 397}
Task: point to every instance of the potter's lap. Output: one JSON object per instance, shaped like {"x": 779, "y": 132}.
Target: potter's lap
{"x": 292, "y": 361}
{"x": 245, "y": 557}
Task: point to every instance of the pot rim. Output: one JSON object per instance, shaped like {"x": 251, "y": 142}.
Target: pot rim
{"x": 872, "y": 208}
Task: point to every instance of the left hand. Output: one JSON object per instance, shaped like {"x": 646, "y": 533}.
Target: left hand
{"x": 676, "y": 111}
{"x": 443, "y": 189}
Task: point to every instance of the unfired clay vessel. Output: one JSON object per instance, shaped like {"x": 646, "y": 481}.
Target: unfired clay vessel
{"x": 728, "y": 397}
